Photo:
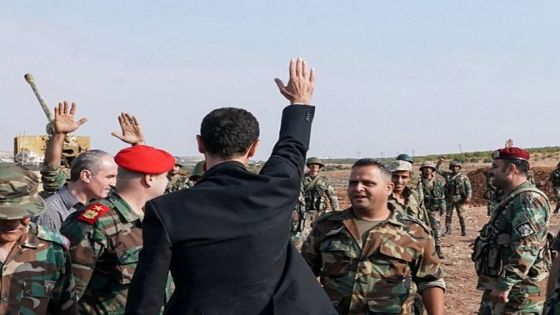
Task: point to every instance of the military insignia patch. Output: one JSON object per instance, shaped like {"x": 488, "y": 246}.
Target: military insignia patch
{"x": 525, "y": 229}
{"x": 93, "y": 212}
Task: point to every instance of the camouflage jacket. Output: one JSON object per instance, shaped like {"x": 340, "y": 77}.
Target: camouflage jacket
{"x": 519, "y": 230}
{"x": 376, "y": 277}
{"x": 412, "y": 206}
{"x": 177, "y": 182}
{"x": 434, "y": 193}
{"x": 458, "y": 187}
{"x": 37, "y": 275}
{"x": 105, "y": 240}
{"x": 316, "y": 192}
{"x": 53, "y": 179}
{"x": 554, "y": 178}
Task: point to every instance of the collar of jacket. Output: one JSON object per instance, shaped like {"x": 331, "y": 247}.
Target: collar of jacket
{"x": 29, "y": 238}
{"x": 218, "y": 168}
{"x": 347, "y": 214}
{"x": 121, "y": 206}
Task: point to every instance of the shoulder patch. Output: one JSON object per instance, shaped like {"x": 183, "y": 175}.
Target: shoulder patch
{"x": 52, "y": 236}
{"x": 92, "y": 213}
{"x": 525, "y": 229}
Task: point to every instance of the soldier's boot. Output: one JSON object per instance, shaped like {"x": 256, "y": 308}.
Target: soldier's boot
{"x": 463, "y": 228}
{"x": 439, "y": 253}
{"x": 447, "y": 230}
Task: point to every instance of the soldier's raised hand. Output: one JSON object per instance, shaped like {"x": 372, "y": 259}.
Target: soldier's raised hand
{"x": 64, "y": 121}
{"x": 301, "y": 84}
{"x": 131, "y": 131}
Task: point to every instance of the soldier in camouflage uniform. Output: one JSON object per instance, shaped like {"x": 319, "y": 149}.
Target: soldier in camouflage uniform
{"x": 372, "y": 258}
{"x": 511, "y": 255}
{"x": 552, "y": 303}
{"x": 176, "y": 180}
{"x": 415, "y": 181}
{"x": 317, "y": 192}
{"x": 197, "y": 172}
{"x": 106, "y": 236}
{"x": 434, "y": 199}
{"x": 35, "y": 268}
{"x": 458, "y": 192}
{"x": 554, "y": 180}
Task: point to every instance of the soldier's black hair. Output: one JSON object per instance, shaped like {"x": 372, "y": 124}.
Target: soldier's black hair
{"x": 373, "y": 162}
{"x": 521, "y": 165}
{"x": 227, "y": 132}
{"x": 90, "y": 160}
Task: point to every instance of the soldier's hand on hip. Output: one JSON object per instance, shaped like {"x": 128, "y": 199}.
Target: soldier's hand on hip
{"x": 301, "y": 84}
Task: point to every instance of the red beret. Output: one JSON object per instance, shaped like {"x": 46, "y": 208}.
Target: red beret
{"x": 145, "y": 159}
{"x": 511, "y": 153}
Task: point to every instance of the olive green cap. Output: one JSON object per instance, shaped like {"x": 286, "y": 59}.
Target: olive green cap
{"x": 178, "y": 162}
{"x": 314, "y": 160}
{"x": 19, "y": 197}
{"x": 405, "y": 157}
{"x": 198, "y": 170}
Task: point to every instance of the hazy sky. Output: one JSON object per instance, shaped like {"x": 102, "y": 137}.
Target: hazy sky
{"x": 392, "y": 76}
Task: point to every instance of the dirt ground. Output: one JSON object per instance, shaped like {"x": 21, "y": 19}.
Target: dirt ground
{"x": 461, "y": 295}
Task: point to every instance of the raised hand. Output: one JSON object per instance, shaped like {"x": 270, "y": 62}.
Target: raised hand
{"x": 301, "y": 84}
{"x": 64, "y": 121}
{"x": 130, "y": 129}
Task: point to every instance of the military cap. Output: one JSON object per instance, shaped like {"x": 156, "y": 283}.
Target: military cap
{"x": 455, "y": 163}
{"x": 178, "y": 162}
{"x": 198, "y": 170}
{"x": 19, "y": 197}
{"x": 145, "y": 159}
{"x": 428, "y": 164}
{"x": 400, "y": 165}
{"x": 405, "y": 157}
{"x": 314, "y": 160}
{"x": 511, "y": 153}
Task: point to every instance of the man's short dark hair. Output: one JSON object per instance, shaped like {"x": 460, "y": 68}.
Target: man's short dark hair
{"x": 228, "y": 131}
{"x": 373, "y": 162}
{"x": 91, "y": 160}
{"x": 521, "y": 165}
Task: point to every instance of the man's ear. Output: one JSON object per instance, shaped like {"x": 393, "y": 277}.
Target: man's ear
{"x": 390, "y": 187}
{"x": 253, "y": 148}
{"x": 86, "y": 175}
{"x": 201, "y": 147}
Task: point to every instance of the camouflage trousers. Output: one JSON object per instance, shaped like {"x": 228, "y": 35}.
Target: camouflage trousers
{"x": 457, "y": 205}
{"x": 433, "y": 216}
{"x": 520, "y": 302}
{"x": 302, "y": 226}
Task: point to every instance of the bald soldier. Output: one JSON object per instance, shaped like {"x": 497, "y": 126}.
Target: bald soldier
{"x": 106, "y": 236}
{"x": 35, "y": 269}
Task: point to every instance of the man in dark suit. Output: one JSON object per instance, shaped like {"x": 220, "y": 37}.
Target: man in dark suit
{"x": 227, "y": 239}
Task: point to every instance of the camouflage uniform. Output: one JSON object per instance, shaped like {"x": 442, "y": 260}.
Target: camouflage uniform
{"x": 531, "y": 177}
{"x": 380, "y": 275}
{"x": 457, "y": 190}
{"x": 300, "y": 226}
{"x": 554, "y": 179}
{"x": 511, "y": 252}
{"x": 53, "y": 179}
{"x": 552, "y": 305}
{"x": 177, "y": 182}
{"x": 317, "y": 190}
{"x": 412, "y": 206}
{"x": 105, "y": 239}
{"x": 36, "y": 276}
{"x": 492, "y": 193}
{"x": 434, "y": 202}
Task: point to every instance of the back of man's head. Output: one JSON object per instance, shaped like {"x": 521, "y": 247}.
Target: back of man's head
{"x": 92, "y": 160}
{"x": 228, "y": 132}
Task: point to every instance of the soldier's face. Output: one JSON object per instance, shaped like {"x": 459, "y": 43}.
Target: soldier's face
{"x": 400, "y": 179}
{"x": 368, "y": 188}
{"x": 455, "y": 169}
{"x": 101, "y": 182}
{"x": 175, "y": 170}
{"x": 500, "y": 174}
{"x": 12, "y": 230}
{"x": 314, "y": 169}
{"x": 427, "y": 172}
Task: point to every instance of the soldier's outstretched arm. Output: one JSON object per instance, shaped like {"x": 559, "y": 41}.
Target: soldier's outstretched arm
{"x": 131, "y": 130}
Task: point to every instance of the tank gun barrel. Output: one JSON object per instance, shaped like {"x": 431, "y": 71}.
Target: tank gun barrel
{"x": 29, "y": 78}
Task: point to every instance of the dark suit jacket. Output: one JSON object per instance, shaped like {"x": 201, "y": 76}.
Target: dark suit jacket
{"x": 226, "y": 240}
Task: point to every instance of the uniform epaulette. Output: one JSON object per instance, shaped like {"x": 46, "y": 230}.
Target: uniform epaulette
{"x": 334, "y": 215}
{"x": 93, "y": 212}
{"x": 52, "y": 236}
